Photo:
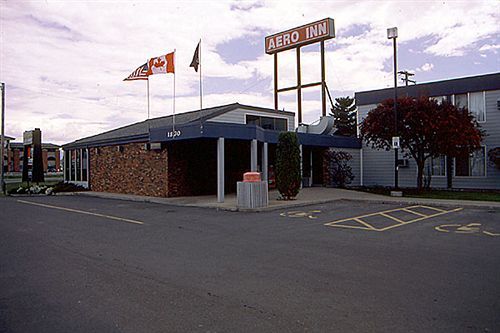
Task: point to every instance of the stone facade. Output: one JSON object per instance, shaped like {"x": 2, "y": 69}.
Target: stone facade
{"x": 129, "y": 169}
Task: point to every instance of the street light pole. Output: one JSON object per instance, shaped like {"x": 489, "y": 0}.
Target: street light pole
{"x": 2, "y": 140}
{"x": 392, "y": 33}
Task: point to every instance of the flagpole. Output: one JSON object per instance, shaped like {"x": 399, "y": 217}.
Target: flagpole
{"x": 201, "y": 85}
{"x": 173, "y": 117}
{"x": 148, "y": 95}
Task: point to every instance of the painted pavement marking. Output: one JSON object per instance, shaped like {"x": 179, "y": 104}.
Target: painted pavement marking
{"x": 364, "y": 225}
{"x": 297, "y": 213}
{"x": 121, "y": 219}
{"x": 471, "y": 228}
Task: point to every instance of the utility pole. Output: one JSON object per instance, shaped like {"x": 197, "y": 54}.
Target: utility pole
{"x": 392, "y": 33}
{"x": 406, "y": 77}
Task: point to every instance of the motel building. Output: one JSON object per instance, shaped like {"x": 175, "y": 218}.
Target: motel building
{"x": 207, "y": 151}
{"x": 481, "y": 95}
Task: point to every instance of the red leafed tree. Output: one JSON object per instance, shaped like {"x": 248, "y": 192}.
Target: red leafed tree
{"x": 426, "y": 129}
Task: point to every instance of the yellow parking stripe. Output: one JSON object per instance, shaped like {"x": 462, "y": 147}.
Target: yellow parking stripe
{"x": 412, "y": 211}
{"x": 429, "y": 207}
{"x": 392, "y": 218}
{"x": 422, "y": 218}
{"x": 368, "y": 226}
{"x": 385, "y": 211}
{"x": 121, "y": 219}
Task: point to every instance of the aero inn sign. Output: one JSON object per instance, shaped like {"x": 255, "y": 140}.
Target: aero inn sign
{"x": 295, "y": 38}
{"x": 306, "y": 34}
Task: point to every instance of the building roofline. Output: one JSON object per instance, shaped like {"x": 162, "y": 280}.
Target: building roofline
{"x": 490, "y": 81}
{"x": 223, "y": 109}
{"x": 46, "y": 145}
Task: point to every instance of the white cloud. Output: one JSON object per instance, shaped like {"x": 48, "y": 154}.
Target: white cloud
{"x": 488, "y": 47}
{"x": 64, "y": 63}
{"x": 425, "y": 67}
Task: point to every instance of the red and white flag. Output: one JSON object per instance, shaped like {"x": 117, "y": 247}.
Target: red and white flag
{"x": 162, "y": 64}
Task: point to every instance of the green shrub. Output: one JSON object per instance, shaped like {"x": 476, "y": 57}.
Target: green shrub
{"x": 339, "y": 170}
{"x": 68, "y": 187}
{"x": 288, "y": 165}
{"x": 494, "y": 157}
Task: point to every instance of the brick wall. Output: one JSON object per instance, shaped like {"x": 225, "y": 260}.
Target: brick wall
{"x": 16, "y": 165}
{"x": 58, "y": 160}
{"x": 134, "y": 170}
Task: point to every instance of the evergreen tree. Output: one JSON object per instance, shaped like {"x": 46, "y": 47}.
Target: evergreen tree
{"x": 288, "y": 165}
{"x": 344, "y": 112}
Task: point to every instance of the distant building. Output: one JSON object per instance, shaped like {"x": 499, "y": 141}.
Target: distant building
{"x": 480, "y": 94}
{"x": 50, "y": 154}
{"x": 7, "y": 140}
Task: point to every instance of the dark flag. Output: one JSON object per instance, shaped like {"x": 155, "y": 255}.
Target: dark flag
{"x": 196, "y": 58}
{"x": 141, "y": 73}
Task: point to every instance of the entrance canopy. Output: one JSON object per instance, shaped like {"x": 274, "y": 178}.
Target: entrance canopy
{"x": 244, "y": 132}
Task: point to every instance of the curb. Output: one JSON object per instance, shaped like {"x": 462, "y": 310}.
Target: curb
{"x": 403, "y": 201}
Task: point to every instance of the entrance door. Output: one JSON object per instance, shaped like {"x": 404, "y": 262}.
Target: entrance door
{"x": 317, "y": 166}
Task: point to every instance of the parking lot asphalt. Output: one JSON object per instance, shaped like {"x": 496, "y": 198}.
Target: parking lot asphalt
{"x": 80, "y": 264}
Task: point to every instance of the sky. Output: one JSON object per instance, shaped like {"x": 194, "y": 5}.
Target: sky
{"x": 63, "y": 62}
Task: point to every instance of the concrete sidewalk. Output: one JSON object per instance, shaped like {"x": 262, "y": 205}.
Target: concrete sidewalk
{"x": 307, "y": 196}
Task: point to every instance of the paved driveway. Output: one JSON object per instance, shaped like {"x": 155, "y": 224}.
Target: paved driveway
{"x": 78, "y": 264}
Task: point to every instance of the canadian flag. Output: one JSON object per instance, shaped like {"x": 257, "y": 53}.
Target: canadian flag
{"x": 162, "y": 64}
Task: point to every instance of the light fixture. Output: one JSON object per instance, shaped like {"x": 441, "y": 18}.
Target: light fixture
{"x": 392, "y": 33}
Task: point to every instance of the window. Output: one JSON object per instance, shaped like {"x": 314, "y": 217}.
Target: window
{"x": 439, "y": 99}
{"x": 84, "y": 165}
{"x": 435, "y": 166}
{"x": 66, "y": 165}
{"x": 474, "y": 102}
{"x": 461, "y": 101}
{"x": 476, "y": 106}
{"x": 72, "y": 157}
{"x": 473, "y": 164}
{"x": 78, "y": 165}
{"x": 270, "y": 123}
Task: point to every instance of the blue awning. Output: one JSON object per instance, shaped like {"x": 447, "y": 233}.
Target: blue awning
{"x": 214, "y": 130}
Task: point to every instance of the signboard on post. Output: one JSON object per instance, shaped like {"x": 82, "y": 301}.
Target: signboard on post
{"x": 315, "y": 32}
{"x": 27, "y": 138}
{"x": 395, "y": 142}
{"x": 303, "y": 35}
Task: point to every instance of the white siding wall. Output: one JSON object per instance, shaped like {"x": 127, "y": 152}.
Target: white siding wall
{"x": 238, "y": 116}
{"x": 378, "y": 165}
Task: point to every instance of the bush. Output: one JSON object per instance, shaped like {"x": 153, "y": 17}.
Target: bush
{"x": 288, "y": 165}
{"x": 494, "y": 156}
{"x": 19, "y": 190}
{"x": 67, "y": 187}
{"x": 33, "y": 189}
{"x": 339, "y": 170}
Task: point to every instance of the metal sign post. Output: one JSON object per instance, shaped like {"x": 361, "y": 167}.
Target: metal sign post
{"x": 315, "y": 32}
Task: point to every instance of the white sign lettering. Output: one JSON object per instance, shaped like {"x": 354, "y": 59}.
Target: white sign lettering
{"x": 173, "y": 134}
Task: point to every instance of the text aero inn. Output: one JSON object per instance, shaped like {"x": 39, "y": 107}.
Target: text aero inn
{"x": 305, "y": 34}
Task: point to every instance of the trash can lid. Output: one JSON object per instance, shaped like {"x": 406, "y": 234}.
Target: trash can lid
{"x": 251, "y": 177}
